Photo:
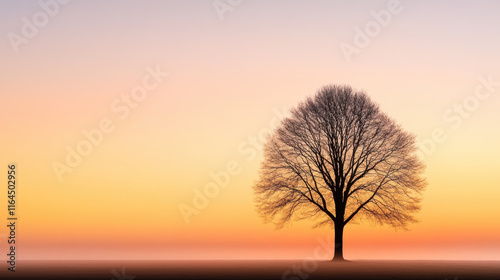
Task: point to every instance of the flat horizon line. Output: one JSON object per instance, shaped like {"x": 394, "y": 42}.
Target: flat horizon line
{"x": 265, "y": 260}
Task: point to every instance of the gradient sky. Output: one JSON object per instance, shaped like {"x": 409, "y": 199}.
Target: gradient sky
{"x": 227, "y": 79}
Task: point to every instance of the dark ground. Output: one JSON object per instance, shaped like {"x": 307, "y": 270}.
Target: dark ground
{"x": 292, "y": 270}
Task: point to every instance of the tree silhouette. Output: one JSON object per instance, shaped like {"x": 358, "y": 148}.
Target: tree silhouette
{"x": 336, "y": 159}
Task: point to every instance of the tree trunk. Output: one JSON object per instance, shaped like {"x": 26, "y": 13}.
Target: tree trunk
{"x": 339, "y": 242}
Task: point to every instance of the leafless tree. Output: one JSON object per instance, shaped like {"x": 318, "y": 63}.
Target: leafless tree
{"x": 336, "y": 159}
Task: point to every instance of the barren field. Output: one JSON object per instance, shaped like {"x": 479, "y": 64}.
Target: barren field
{"x": 293, "y": 270}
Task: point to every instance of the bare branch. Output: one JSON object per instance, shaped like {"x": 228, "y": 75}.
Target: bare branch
{"x": 336, "y": 158}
